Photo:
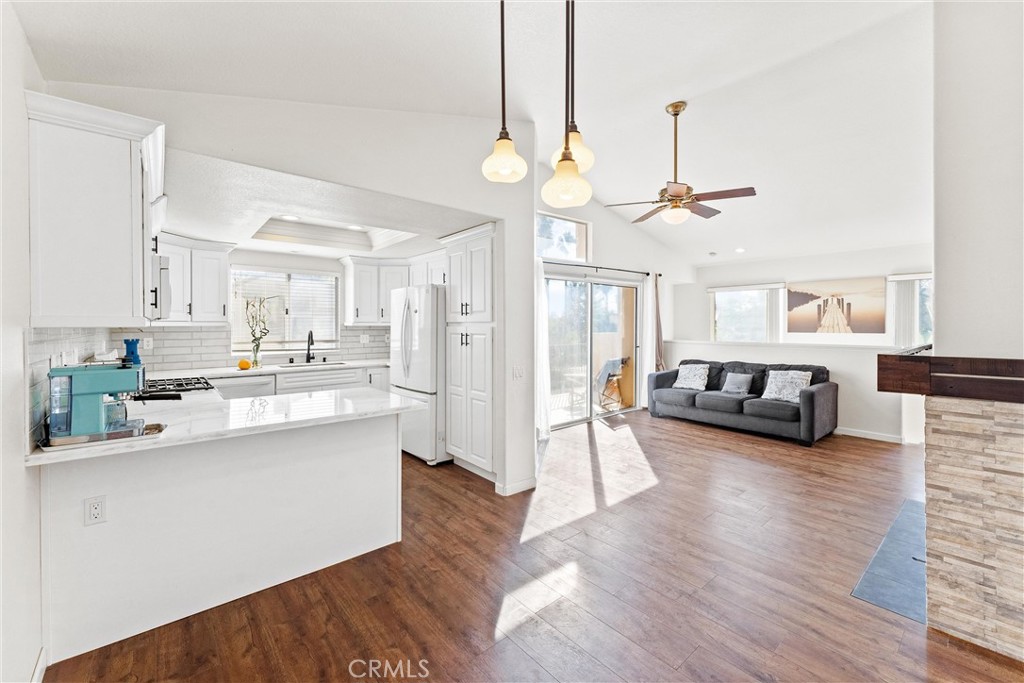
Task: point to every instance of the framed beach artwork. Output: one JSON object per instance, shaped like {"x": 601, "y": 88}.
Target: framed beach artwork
{"x": 855, "y": 306}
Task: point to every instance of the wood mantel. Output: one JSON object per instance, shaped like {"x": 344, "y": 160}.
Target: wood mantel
{"x": 989, "y": 379}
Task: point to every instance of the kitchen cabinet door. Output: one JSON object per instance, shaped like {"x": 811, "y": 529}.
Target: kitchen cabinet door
{"x": 377, "y": 378}
{"x": 210, "y": 286}
{"x": 478, "y": 357}
{"x": 477, "y": 286}
{"x": 456, "y": 394}
{"x": 390, "y": 278}
{"x": 365, "y": 295}
{"x": 437, "y": 270}
{"x": 418, "y": 274}
{"x": 456, "y": 257}
{"x": 180, "y": 269}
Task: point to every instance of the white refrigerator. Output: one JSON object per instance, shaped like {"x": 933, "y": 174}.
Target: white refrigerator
{"x": 417, "y": 367}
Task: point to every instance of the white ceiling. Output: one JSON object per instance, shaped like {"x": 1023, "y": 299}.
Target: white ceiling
{"x": 781, "y": 93}
{"x": 226, "y": 201}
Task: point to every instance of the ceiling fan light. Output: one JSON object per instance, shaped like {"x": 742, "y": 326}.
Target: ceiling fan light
{"x": 581, "y": 153}
{"x": 566, "y": 188}
{"x": 504, "y": 165}
{"x": 675, "y": 215}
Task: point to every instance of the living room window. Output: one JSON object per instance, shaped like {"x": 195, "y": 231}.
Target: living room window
{"x": 297, "y": 303}
{"x": 747, "y": 313}
{"x": 563, "y": 239}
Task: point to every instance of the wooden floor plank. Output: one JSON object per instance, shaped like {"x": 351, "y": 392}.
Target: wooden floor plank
{"x": 652, "y": 549}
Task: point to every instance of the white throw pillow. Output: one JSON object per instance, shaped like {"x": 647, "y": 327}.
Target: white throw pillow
{"x": 692, "y": 377}
{"x": 785, "y": 385}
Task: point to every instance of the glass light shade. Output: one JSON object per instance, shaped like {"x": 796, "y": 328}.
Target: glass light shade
{"x": 675, "y": 215}
{"x": 580, "y": 152}
{"x": 566, "y": 188}
{"x": 504, "y": 165}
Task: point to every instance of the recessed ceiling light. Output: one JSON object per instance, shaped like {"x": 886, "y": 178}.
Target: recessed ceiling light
{"x": 289, "y": 217}
{"x": 712, "y": 253}
{"x": 740, "y": 250}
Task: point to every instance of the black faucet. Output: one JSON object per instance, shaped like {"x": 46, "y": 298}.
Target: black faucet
{"x": 309, "y": 348}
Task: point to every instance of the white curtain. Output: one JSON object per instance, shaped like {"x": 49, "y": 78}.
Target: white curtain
{"x": 543, "y": 379}
{"x": 650, "y": 331}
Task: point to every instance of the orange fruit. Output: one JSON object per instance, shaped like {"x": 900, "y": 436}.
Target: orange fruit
{"x": 244, "y": 364}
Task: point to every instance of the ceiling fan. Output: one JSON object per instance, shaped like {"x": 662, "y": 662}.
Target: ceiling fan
{"x": 676, "y": 201}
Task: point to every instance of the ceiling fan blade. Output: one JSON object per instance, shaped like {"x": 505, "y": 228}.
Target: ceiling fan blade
{"x": 675, "y": 189}
{"x": 702, "y": 210}
{"x": 725, "y": 194}
{"x": 651, "y": 213}
{"x": 653, "y": 201}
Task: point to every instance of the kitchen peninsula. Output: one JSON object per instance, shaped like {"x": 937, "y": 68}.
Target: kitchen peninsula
{"x": 233, "y": 497}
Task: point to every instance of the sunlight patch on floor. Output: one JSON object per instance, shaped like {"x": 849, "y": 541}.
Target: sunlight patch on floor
{"x": 625, "y": 471}
{"x": 514, "y": 613}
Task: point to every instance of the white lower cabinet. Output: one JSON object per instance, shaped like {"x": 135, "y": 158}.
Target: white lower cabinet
{"x": 377, "y": 378}
{"x": 319, "y": 380}
{"x": 469, "y": 394}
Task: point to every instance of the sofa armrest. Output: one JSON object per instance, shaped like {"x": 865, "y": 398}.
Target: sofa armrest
{"x": 659, "y": 380}
{"x": 819, "y": 411}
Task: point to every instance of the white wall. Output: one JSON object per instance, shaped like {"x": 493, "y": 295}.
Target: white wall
{"x": 429, "y": 157}
{"x": 863, "y": 411}
{"x": 20, "y": 628}
{"x": 979, "y": 180}
{"x": 692, "y": 304}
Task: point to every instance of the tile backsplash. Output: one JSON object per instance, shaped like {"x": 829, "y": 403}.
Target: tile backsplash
{"x": 43, "y": 343}
{"x": 186, "y": 348}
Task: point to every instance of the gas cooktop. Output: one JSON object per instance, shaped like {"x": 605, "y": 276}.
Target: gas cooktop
{"x": 177, "y": 384}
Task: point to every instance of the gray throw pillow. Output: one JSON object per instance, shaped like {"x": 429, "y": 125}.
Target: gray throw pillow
{"x": 737, "y": 383}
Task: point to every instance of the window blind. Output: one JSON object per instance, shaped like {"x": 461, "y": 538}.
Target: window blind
{"x": 297, "y": 303}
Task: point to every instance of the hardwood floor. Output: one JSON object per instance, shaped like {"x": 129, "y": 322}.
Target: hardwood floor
{"x": 652, "y": 550}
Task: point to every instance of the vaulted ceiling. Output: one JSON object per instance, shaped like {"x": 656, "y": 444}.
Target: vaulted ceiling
{"x": 824, "y": 106}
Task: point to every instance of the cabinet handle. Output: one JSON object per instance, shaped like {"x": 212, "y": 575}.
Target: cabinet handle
{"x": 156, "y": 244}
{"x": 156, "y": 300}
{"x": 357, "y": 311}
{"x": 444, "y": 278}
{"x": 382, "y": 313}
{"x": 225, "y": 310}
{"x": 190, "y": 308}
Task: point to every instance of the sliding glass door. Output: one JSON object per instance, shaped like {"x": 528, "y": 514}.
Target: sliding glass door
{"x": 592, "y": 336}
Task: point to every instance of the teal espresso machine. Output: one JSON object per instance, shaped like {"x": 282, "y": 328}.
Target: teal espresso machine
{"x": 86, "y": 402}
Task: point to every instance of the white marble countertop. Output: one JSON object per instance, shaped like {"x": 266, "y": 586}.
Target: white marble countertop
{"x": 233, "y": 371}
{"x": 204, "y": 415}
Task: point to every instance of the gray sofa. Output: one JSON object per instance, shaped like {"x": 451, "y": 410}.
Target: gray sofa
{"x": 807, "y": 421}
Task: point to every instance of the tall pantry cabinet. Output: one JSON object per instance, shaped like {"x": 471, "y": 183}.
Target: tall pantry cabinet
{"x": 470, "y": 347}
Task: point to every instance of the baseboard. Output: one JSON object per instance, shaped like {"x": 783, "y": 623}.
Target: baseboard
{"x": 518, "y": 487}
{"x": 489, "y": 476}
{"x": 874, "y": 436}
{"x": 40, "y": 668}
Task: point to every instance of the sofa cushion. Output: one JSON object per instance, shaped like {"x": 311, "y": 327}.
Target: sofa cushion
{"x": 819, "y": 373}
{"x": 722, "y": 402}
{"x": 758, "y": 370}
{"x": 714, "y": 372}
{"x": 773, "y": 410}
{"x": 785, "y": 385}
{"x": 691, "y": 376}
{"x": 676, "y": 397}
{"x": 735, "y": 383}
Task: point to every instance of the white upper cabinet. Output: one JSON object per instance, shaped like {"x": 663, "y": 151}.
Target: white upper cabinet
{"x": 429, "y": 269}
{"x": 470, "y": 275}
{"x": 199, "y": 279}
{"x": 93, "y": 174}
{"x": 368, "y": 286}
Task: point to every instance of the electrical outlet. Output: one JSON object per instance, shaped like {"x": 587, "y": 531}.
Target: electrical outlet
{"x": 147, "y": 343}
{"x": 95, "y": 510}
{"x": 364, "y": 339}
{"x": 518, "y": 372}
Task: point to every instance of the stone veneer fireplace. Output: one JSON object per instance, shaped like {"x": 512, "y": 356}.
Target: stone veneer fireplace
{"x": 974, "y": 481}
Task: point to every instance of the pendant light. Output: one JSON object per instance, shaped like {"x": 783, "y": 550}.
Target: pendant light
{"x": 566, "y": 189}
{"x": 582, "y": 154}
{"x": 503, "y": 165}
